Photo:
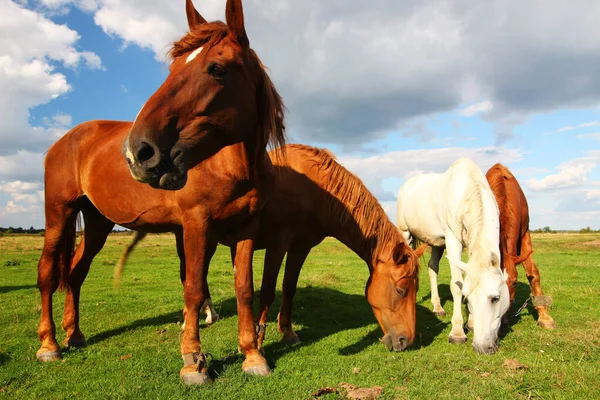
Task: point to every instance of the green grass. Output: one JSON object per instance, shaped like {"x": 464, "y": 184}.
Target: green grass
{"x": 133, "y": 334}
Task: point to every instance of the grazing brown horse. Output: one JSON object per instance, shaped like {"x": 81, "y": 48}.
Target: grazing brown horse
{"x": 315, "y": 197}
{"x": 203, "y": 132}
{"x": 515, "y": 239}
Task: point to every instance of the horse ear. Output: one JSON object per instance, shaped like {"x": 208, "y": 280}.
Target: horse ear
{"x": 234, "y": 15}
{"x": 194, "y": 18}
{"x": 400, "y": 257}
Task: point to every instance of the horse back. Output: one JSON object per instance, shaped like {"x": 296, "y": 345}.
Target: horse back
{"x": 512, "y": 205}
{"x": 63, "y": 162}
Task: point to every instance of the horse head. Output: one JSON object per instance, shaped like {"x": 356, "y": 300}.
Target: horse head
{"x": 488, "y": 300}
{"x": 216, "y": 94}
{"x": 392, "y": 293}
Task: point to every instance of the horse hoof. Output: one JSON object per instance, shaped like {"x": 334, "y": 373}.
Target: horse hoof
{"x": 440, "y": 314}
{"x": 457, "y": 339}
{"x": 196, "y": 378}
{"x": 290, "y": 339}
{"x": 547, "y": 324}
{"x": 45, "y": 356}
{"x": 258, "y": 370}
{"x": 80, "y": 342}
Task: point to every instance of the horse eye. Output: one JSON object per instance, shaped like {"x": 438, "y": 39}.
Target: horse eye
{"x": 494, "y": 300}
{"x": 216, "y": 70}
{"x": 401, "y": 292}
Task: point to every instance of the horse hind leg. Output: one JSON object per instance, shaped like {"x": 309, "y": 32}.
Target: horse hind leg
{"x": 97, "y": 228}
{"x": 434, "y": 267}
{"x": 533, "y": 275}
{"x": 59, "y": 241}
{"x": 293, "y": 265}
{"x": 273, "y": 259}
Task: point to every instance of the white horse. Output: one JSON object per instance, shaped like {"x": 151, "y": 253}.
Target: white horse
{"x": 457, "y": 209}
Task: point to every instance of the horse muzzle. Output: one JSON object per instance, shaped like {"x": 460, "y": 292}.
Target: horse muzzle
{"x": 147, "y": 165}
{"x": 489, "y": 348}
{"x": 395, "y": 342}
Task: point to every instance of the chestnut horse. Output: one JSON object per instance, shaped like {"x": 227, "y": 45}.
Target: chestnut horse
{"x": 515, "y": 239}
{"x": 203, "y": 132}
{"x": 315, "y": 197}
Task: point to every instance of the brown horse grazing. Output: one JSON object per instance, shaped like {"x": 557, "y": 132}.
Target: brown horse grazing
{"x": 204, "y": 132}
{"x": 515, "y": 239}
{"x": 315, "y": 197}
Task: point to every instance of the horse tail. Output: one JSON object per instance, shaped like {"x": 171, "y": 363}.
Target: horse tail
{"x": 522, "y": 257}
{"x": 121, "y": 264}
{"x": 68, "y": 249}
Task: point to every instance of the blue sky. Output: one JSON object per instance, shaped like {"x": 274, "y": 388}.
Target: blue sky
{"x": 394, "y": 88}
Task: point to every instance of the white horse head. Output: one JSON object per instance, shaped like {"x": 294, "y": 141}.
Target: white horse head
{"x": 488, "y": 300}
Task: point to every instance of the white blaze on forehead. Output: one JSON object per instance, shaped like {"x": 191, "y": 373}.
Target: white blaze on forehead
{"x": 193, "y": 54}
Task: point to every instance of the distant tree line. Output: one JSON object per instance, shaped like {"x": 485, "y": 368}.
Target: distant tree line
{"x": 33, "y": 231}
{"x": 547, "y": 229}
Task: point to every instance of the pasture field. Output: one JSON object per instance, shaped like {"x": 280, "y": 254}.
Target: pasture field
{"x": 133, "y": 333}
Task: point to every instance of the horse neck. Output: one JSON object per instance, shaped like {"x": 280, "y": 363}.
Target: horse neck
{"x": 483, "y": 232}
{"x": 369, "y": 242}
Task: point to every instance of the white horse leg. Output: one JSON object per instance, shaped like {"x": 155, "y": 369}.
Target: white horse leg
{"x": 470, "y": 322}
{"x": 454, "y": 250}
{"x": 434, "y": 267}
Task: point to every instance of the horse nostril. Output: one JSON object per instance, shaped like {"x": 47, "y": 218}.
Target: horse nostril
{"x": 145, "y": 152}
{"x": 403, "y": 341}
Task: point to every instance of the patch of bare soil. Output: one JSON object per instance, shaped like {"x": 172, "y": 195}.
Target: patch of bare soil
{"x": 351, "y": 392}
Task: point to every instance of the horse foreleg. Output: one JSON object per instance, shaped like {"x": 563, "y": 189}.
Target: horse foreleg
{"x": 454, "y": 250}
{"x": 533, "y": 275}
{"x": 195, "y": 245}
{"x": 273, "y": 259}
{"x": 207, "y": 306}
{"x": 255, "y": 363}
{"x": 293, "y": 265}
{"x": 434, "y": 267}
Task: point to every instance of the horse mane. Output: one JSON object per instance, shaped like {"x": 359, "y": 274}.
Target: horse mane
{"x": 474, "y": 201}
{"x": 353, "y": 205}
{"x": 270, "y": 107}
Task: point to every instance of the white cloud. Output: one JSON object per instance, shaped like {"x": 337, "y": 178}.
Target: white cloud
{"x": 575, "y": 127}
{"x": 572, "y": 173}
{"x": 476, "y": 108}
{"x": 30, "y": 47}
{"x": 20, "y": 187}
{"x": 593, "y": 195}
{"x": 590, "y": 136}
{"x": 24, "y": 165}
